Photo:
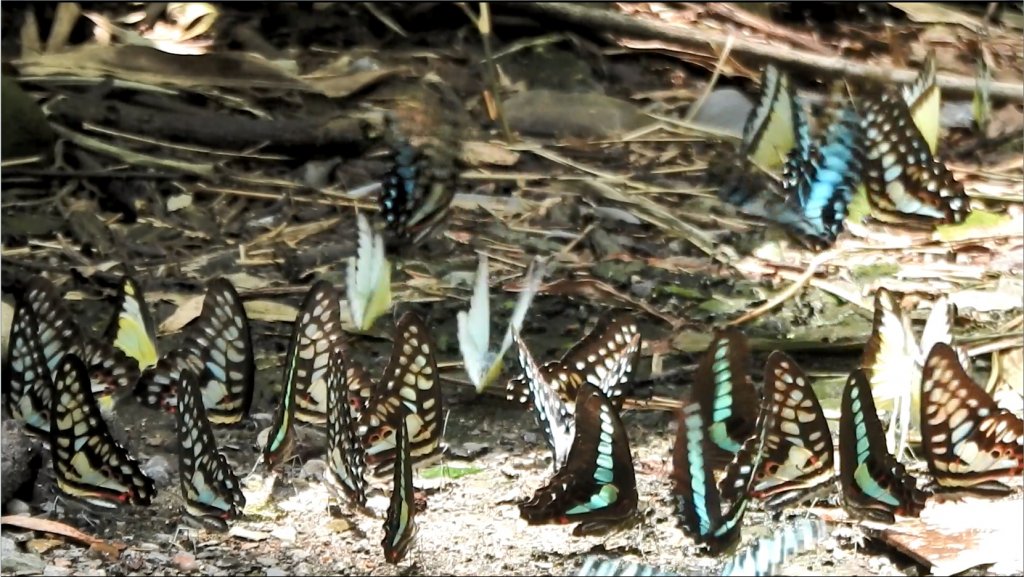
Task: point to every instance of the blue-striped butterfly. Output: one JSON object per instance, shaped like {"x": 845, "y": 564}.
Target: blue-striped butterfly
{"x": 875, "y": 485}
{"x": 89, "y": 465}
{"x": 711, "y": 513}
{"x": 597, "y": 483}
{"x": 799, "y": 458}
{"x": 43, "y": 331}
{"x": 905, "y": 182}
{"x": 410, "y": 380}
{"x": 417, "y": 191}
{"x": 594, "y": 566}
{"x": 400, "y": 523}
{"x": 131, "y": 329}
{"x": 218, "y": 341}
{"x": 212, "y": 492}
{"x": 968, "y": 441}
{"x": 767, "y": 555}
{"x": 726, "y": 395}
{"x": 316, "y": 337}
{"x": 346, "y": 460}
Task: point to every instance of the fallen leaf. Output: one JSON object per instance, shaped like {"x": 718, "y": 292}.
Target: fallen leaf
{"x": 56, "y": 528}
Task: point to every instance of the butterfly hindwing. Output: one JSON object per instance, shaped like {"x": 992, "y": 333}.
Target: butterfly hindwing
{"x": 798, "y": 452}
{"x": 968, "y": 441}
{"x": 346, "y": 462}
{"x": 874, "y": 483}
{"x": 400, "y": 523}
{"x": 597, "y": 483}
{"x": 726, "y": 395}
{"x": 410, "y": 380}
{"x": 212, "y": 491}
{"x": 88, "y": 463}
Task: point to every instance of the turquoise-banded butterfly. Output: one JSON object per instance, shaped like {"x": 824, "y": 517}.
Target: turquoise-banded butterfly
{"x": 346, "y": 460}
{"x": 875, "y": 485}
{"x": 597, "y": 483}
{"x": 798, "y": 455}
{"x": 43, "y": 331}
{"x": 968, "y": 441}
{"x": 892, "y": 361}
{"x": 212, "y": 492}
{"x": 89, "y": 465}
{"x": 131, "y": 329}
{"x": 400, "y": 523}
{"x": 417, "y": 191}
{"x": 218, "y": 341}
{"x": 905, "y": 182}
{"x": 768, "y": 555}
{"x": 711, "y": 513}
{"x": 594, "y": 566}
{"x": 306, "y": 365}
{"x": 410, "y": 380}
{"x": 606, "y": 358}
{"x": 726, "y": 395}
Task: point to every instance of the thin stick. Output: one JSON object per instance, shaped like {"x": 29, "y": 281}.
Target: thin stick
{"x": 790, "y": 290}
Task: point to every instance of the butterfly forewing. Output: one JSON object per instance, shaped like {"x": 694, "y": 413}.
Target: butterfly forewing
{"x": 726, "y": 395}
{"x": 776, "y": 124}
{"x": 346, "y": 464}
{"x": 400, "y": 523}
{"x": 798, "y": 452}
{"x": 131, "y": 329}
{"x": 28, "y": 386}
{"x": 410, "y": 379}
{"x": 968, "y": 440}
{"x": 874, "y": 483}
{"x": 597, "y": 483}
{"x": 552, "y": 413}
{"x": 88, "y": 463}
{"x": 212, "y": 492}
{"x": 905, "y": 183}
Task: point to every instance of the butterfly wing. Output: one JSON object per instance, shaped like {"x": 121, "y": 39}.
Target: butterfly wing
{"x": 597, "y": 484}
{"x": 417, "y": 191}
{"x": 874, "y": 483}
{"x": 410, "y": 379}
{"x": 924, "y": 100}
{"x": 798, "y": 452}
{"x": 400, "y": 523}
{"x": 968, "y": 440}
{"x": 726, "y": 395}
{"x": 606, "y": 358}
{"x": 697, "y": 501}
{"x": 88, "y": 463}
{"x": 360, "y": 387}
{"x": 346, "y": 463}
{"x": 131, "y": 329}
{"x": 552, "y": 413}
{"x": 474, "y": 328}
{"x": 211, "y": 489}
{"x": 776, "y": 124}
{"x": 905, "y": 183}
{"x": 28, "y": 385}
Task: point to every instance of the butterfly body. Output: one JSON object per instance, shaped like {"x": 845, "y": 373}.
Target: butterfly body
{"x": 596, "y": 485}
{"x": 968, "y": 441}
{"x": 874, "y": 483}
{"x": 88, "y": 463}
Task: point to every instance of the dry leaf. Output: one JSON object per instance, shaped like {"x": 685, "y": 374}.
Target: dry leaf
{"x": 270, "y": 311}
{"x": 476, "y": 153}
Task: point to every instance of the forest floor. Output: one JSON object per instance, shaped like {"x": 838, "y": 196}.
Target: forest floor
{"x": 606, "y": 180}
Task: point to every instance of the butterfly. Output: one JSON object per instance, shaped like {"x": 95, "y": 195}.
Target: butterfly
{"x": 767, "y": 555}
{"x": 212, "y": 492}
{"x": 594, "y": 566}
{"x": 798, "y": 452}
{"x": 924, "y": 99}
{"x": 346, "y": 461}
{"x": 316, "y": 337}
{"x": 400, "y": 523}
{"x": 474, "y": 327}
{"x": 368, "y": 277}
{"x": 89, "y": 465}
{"x": 417, "y": 191}
{"x": 893, "y": 357}
{"x": 410, "y": 380}
{"x": 968, "y": 441}
{"x": 597, "y": 483}
{"x": 131, "y": 329}
{"x": 905, "y": 182}
{"x": 219, "y": 341}
{"x": 874, "y": 483}
{"x": 726, "y": 395}
{"x": 710, "y": 513}
{"x": 43, "y": 331}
